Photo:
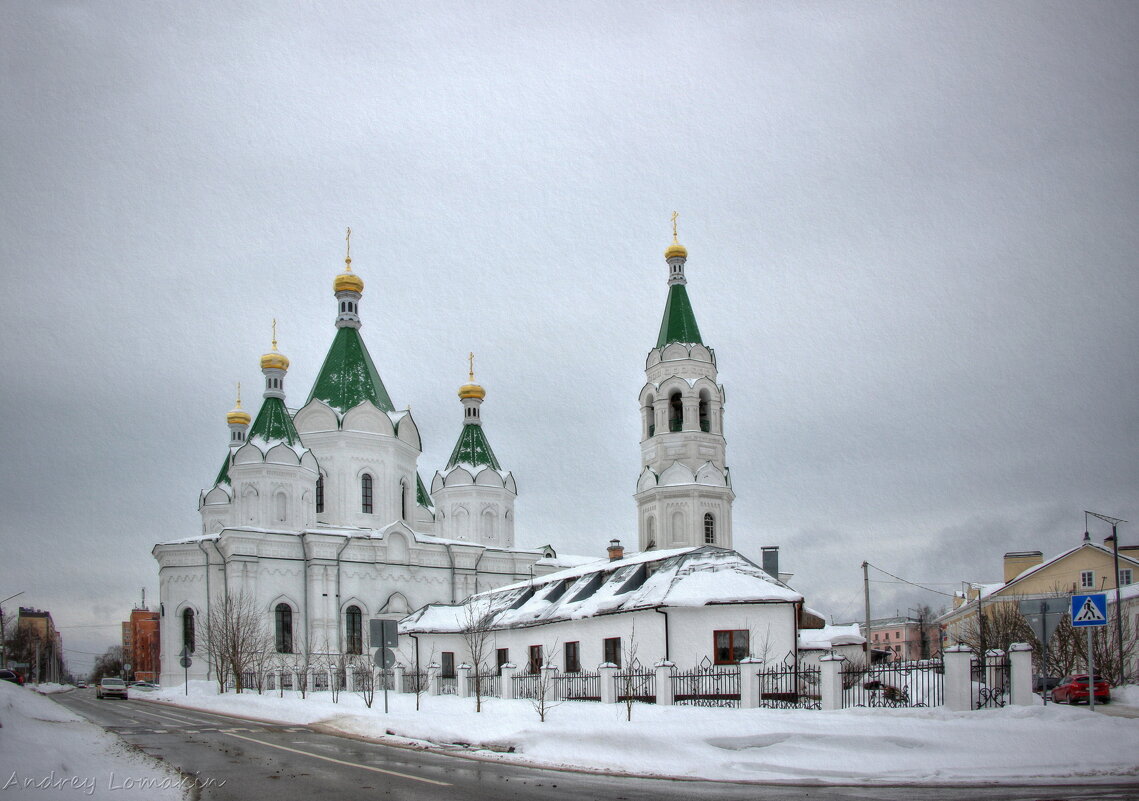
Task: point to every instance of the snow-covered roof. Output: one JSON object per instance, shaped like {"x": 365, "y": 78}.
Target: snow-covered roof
{"x": 684, "y": 577}
{"x": 830, "y": 636}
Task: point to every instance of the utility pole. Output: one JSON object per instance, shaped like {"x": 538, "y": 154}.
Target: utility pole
{"x": 866, "y": 603}
{"x": 1115, "y": 521}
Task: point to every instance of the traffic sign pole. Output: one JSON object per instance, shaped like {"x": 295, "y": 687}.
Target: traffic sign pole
{"x": 1091, "y": 673}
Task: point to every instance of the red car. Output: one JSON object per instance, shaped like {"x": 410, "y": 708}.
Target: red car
{"x": 1073, "y": 689}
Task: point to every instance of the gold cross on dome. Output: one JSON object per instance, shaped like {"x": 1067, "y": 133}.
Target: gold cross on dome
{"x": 348, "y": 250}
{"x": 674, "y": 216}
{"x": 471, "y": 360}
{"x": 274, "y": 333}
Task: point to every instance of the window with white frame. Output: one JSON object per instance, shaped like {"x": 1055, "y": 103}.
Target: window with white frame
{"x": 1087, "y": 579}
{"x": 1125, "y": 576}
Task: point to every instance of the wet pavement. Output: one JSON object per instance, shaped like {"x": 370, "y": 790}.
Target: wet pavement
{"x": 235, "y": 758}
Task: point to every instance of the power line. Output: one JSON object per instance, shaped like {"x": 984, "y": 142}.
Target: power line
{"x": 911, "y": 583}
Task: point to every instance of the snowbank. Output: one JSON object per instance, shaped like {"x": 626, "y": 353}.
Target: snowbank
{"x": 1015, "y": 744}
{"x": 47, "y": 751}
{"x": 50, "y": 688}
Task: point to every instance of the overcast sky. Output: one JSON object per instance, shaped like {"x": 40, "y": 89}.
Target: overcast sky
{"x": 912, "y": 232}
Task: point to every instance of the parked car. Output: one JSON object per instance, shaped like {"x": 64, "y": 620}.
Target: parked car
{"x": 111, "y": 688}
{"x": 144, "y": 686}
{"x": 1044, "y": 684}
{"x": 12, "y": 676}
{"x": 81, "y": 685}
{"x": 1073, "y": 689}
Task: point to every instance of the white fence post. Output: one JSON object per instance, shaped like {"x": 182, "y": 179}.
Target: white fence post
{"x": 433, "y": 678}
{"x": 463, "y": 684}
{"x": 547, "y": 686}
{"x": 664, "y": 683}
{"x": 1020, "y": 673}
{"x": 608, "y": 681}
{"x": 397, "y": 678}
{"x": 506, "y": 681}
{"x": 750, "y": 668}
{"x": 958, "y": 661}
{"x": 830, "y": 681}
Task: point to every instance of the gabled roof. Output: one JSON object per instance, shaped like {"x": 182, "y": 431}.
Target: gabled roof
{"x": 1058, "y": 558}
{"x": 348, "y": 377}
{"x": 472, "y": 449}
{"x": 679, "y": 323}
{"x": 273, "y": 424}
{"x": 685, "y": 577}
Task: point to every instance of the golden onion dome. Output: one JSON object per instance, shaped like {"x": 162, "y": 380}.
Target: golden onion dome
{"x": 472, "y": 391}
{"x": 238, "y": 416}
{"x": 274, "y": 360}
{"x": 676, "y": 250}
{"x": 348, "y": 281}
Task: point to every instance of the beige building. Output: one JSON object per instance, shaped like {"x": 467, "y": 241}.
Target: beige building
{"x": 1087, "y": 568}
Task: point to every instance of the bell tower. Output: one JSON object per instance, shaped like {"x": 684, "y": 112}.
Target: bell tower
{"x": 684, "y": 492}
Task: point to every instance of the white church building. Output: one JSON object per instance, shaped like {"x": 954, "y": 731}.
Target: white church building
{"x": 320, "y": 517}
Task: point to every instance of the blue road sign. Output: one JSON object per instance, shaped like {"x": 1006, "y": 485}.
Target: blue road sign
{"x": 1089, "y": 610}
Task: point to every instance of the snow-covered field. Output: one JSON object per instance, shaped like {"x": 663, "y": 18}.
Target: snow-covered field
{"x": 1014, "y": 744}
{"x": 47, "y": 751}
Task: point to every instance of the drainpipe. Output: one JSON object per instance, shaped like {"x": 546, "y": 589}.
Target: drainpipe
{"x": 660, "y": 611}
{"x": 205, "y": 553}
{"x": 479, "y": 561}
{"x": 451, "y": 558}
{"x": 339, "y": 632}
{"x": 304, "y": 593}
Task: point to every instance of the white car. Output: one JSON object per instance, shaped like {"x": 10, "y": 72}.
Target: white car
{"x": 111, "y": 688}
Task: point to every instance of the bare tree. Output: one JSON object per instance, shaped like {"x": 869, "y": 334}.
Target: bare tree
{"x": 363, "y": 677}
{"x": 544, "y": 685}
{"x": 628, "y": 681}
{"x": 236, "y": 636}
{"x": 477, "y": 635}
{"x": 417, "y": 681}
{"x": 300, "y": 662}
{"x": 998, "y": 625}
{"x": 1068, "y": 650}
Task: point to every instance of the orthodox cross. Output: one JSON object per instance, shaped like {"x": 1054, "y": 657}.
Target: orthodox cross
{"x": 471, "y": 359}
{"x": 674, "y": 216}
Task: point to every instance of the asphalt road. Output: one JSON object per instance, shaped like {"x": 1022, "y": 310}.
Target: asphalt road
{"x": 234, "y": 758}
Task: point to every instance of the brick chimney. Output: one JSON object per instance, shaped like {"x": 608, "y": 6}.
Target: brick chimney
{"x": 1017, "y": 562}
{"x": 615, "y": 550}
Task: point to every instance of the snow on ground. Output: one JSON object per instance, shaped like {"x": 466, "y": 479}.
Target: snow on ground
{"x": 50, "y": 688}
{"x": 1014, "y": 744}
{"x": 47, "y": 751}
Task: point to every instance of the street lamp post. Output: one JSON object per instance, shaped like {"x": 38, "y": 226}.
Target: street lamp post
{"x": 1114, "y": 521}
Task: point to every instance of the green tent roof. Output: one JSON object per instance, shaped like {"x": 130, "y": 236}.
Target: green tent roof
{"x": 473, "y": 449}
{"x": 421, "y": 496}
{"x": 223, "y": 474}
{"x": 348, "y": 378}
{"x": 679, "y": 323}
{"x": 274, "y": 423}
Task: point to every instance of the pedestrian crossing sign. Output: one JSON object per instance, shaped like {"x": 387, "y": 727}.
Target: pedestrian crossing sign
{"x": 1089, "y": 610}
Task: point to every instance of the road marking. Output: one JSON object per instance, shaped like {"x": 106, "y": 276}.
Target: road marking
{"x": 340, "y": 761}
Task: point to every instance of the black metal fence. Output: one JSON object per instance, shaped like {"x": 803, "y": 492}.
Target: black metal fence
{"x": 527, "y": 685}
{"x": 707, "y": 685}
{"x": 414, "y": 682}
{"x": 894, "y": 684}
{"x": 488, "y": 685}
{"x": 787, "y": 685}
{"x": 635, "y": 683}
{"x": 990, "y": 681}
{"x": 579, "y": 686}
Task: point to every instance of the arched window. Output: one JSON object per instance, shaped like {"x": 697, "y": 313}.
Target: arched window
{"x": 709, "y": 529}
{"x": 284, "y": 615}
{"x": 188, "y": 630}
{"x": 705, "y": 413}
{"x": 650, "y": 422}
{"x": 354, "y": 630}
{"x": 366, "y": 493}
{"x": 320, "y": 493}
{"x": 281, "y": 504}
{"x": 675, "y": 412}
{"x": 403, "y": 510}
{"x": 650, "y": 533}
